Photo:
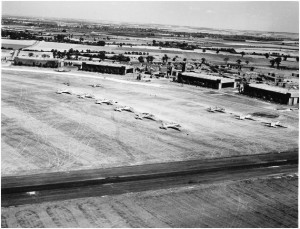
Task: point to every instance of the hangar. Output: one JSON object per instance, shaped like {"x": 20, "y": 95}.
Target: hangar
{"x": 38, "y": 62}
{"x": 272, "y": 93}
{"x": 105, "y": 67}
{"x": 210, "y": 81}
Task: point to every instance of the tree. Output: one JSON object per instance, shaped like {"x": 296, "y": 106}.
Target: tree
{"x": 154, "y": 42}
{"x": 165, "y": 58}
{"x": 239, "y": 63}
{"x": 278, "y": 61}
{"x": 203, "y": 60}
{"x": 141, "y": 59}
{"x": 101, "y": 43}
{"x": 226, "y": 59}
{"x": 267, "y": 55}
{"x": 30, "y": 54}
{"x": 247, "y": 62}
{"x": 149, "y": 59}
{"x": 217, "y": 51}
{"x": 203, "y": 50}
{"x": 272, "y": 62}
{"x": 297, "y": 58}
{"x": 243, "y": 53}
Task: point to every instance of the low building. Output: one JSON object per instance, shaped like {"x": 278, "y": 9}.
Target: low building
{"x": 38, "y": 62}
{"x": 105, "y": 67}
{"x": 234, "y": 65}
{"x": 272, "y": 93}
{"x": 274, "y": 78}
{"x": 199, "y": 79}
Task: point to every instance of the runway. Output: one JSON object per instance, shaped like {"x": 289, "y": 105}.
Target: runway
{"x": 20, "y": 190}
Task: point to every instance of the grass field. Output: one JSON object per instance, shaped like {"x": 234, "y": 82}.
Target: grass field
{"x": 44, "y": 131}
{"x": 264, "y": 202}
{"x": 16, "y": 44}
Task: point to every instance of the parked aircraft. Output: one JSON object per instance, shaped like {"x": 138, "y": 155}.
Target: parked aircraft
{"x": 66, "y": 83}
{"x": 64, "y": 91}
{"x": 216, "y": 109}
{"x": 274, "y": 124}
{"x": 81, "y": 96}
{"x": 89, "y": 96}
{"x": 175, "y": 126}
{"x": 96, "y": 85}
{"x": 125, "y": 108}
{"x": 106, "y": 101}
{"x": 243, "y": 117}
{"x": 145, "y": 115}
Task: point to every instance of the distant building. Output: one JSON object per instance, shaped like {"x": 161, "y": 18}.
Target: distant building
{"x": 272, "y": 93}
{"x": 199, "y": 79}
{"x": 105, "y": 67}
{"x": 38, "y": 62}
{"x": 274, "y": 78}
{"x": 234, "y": 65}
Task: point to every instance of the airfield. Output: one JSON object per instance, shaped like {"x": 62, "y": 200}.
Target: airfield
{"x": 217, "y": 170}
{"x": 83, "y": 149}
{"x": 47, "y": 132}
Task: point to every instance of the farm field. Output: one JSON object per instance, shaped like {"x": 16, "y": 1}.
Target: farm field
{"x": 269, "y": 202}
{"x": 16, "y": 44}
{"x": 158, "y": 53}
{"x": 44, "y": 132}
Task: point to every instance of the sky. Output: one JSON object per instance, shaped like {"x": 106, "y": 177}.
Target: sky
{"x": 277, "y": 16}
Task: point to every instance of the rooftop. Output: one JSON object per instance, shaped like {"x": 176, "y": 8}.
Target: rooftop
{"x": 108, "y": 64}
{"x": 293, "y": 92}
{"x": 36, "y": 58}
{"x": 208, "y": 77}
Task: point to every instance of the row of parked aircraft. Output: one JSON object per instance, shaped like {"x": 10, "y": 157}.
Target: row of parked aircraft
{"x": 140, "y": 116}
{"x": 243, "y": 117}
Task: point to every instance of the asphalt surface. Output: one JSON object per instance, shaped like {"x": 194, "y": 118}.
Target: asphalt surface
{"x": 20, "y": 190}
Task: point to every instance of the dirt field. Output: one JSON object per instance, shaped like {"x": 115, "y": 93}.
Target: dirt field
{"x": 265, "y": 202}
{"x": 43, "y": 131}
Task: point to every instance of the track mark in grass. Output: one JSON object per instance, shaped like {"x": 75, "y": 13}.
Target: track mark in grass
{"x": 128, "y": 215}
{"x": 27, "y": 144}
{"x": 117, "y": 139}
{"x": 94, "y": 215}
{"x": 257, "y": 205}
{"x": 149, "y": 219}
{"x": 4, "y": 221}
{"x": 28, "y": 218}
{"x": 62, "y": 216}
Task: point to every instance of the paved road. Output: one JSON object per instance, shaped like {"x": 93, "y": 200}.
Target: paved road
{"x": 19, "y": 190}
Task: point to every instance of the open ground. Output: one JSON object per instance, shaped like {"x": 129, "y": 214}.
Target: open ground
{"x": 43, "y": 131}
